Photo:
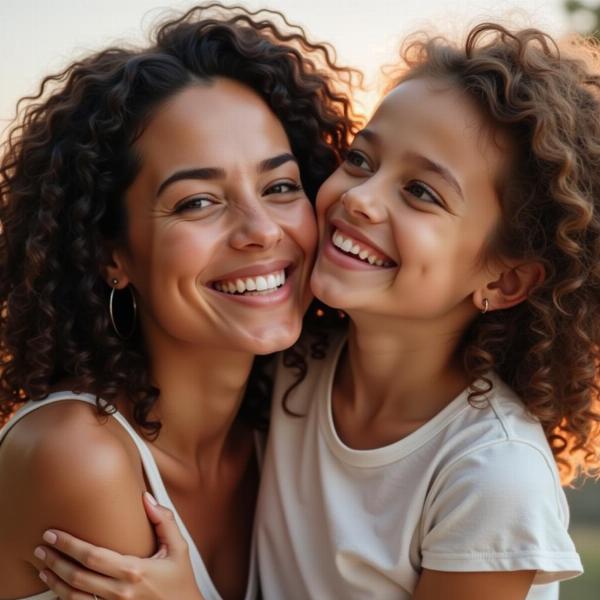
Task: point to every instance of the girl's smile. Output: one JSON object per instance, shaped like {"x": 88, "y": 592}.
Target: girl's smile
{"x": 405, "y": 219}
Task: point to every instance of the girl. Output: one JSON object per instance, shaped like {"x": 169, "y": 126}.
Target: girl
{"x": 157, "y": 234}
{"x": 420, "y": 457}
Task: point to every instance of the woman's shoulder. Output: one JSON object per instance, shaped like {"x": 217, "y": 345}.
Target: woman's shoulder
{"x": 64, "y": 466}
{"x": 69, "y": 433}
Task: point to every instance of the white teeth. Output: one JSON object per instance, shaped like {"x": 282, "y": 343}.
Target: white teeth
{"x": 351, "y": 246}
{"x": 261, "y": 283}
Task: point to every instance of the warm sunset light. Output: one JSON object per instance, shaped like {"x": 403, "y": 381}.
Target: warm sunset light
{"x": 38, "y": 38}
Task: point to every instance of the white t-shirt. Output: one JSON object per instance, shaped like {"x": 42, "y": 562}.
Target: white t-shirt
{"x": 474, "y": 489}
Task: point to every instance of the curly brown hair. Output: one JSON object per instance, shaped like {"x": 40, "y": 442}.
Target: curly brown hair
{"x": 547, "y": 100}
{"x": 68, "y": 161}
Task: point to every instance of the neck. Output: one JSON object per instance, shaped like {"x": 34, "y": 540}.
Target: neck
{"x": 201, "y": 390}
{"x": 402, "y": 368}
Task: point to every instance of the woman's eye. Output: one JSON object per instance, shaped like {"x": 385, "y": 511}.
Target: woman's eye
{"x": 283, "y": 187}
{"x": 422, "y": 192}
{"x": 356, "y": 159}
{"x": 197, "y": 203}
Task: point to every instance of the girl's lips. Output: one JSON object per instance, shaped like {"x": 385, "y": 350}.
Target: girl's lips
{"x": 349, "y": 231}
{"x": 348, "y": 261}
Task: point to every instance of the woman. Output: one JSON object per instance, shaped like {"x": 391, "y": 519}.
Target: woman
{"x": 157, "y": 235}
{"x": 426, "y": 462}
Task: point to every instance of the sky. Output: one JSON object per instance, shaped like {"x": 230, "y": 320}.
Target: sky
{"x": 40, "y": 37}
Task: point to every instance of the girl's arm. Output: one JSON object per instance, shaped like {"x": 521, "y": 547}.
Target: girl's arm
{"x": 496, "y": 585}
{"x": 111, "y": 575}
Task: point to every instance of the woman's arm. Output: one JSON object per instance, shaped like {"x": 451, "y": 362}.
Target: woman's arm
{"x": 497, "y": 585}
{"x": 111, "y": 575}
{"x": 60, "y": 467}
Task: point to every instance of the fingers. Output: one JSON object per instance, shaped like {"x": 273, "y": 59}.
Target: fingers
{"x": 101, "y": 560}
{"x": 74, "y": 579}
{"x": 169, "y": 536}
{"x": 61, "y": 589}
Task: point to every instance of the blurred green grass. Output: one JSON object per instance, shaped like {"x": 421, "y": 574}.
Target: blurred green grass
{"x": 585, "y": 531}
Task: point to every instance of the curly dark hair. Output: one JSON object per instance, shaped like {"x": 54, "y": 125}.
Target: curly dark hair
{"x": 68, "y": 161}
{"x": 547, "y": 100}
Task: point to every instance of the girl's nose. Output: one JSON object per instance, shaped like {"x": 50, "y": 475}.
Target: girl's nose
{"x": 363, "y": 202}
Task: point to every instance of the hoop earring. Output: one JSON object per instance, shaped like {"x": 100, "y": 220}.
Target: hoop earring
{"x": 111, "y": 312}
{"x": 486, "y": 306}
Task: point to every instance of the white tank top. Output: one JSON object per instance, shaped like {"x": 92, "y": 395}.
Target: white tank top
{"x": 159, "y": 491}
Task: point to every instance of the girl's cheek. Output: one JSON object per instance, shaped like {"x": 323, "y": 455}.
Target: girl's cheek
{"x": 305, "y": 226}
{"x": 329, "y": 192}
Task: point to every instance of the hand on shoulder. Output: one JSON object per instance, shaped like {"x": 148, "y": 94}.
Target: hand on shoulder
{"x": 63, "y": 467}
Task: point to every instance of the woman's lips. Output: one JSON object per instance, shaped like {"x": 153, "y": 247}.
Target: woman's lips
{"x": 259, "y": 285}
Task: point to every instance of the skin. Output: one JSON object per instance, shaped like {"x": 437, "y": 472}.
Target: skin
{"x": 247, "y": 217}
{"x": 419, "y": 189}
{"x": 432, "y": 225}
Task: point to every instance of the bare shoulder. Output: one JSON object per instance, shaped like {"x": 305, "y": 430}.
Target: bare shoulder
{"x": 62, "y": 466}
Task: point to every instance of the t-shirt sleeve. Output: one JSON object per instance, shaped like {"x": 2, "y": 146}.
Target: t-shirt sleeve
{"x": 499, "y": 508}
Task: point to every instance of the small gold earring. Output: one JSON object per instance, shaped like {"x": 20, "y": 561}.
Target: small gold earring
{"x": 485, "y": 307}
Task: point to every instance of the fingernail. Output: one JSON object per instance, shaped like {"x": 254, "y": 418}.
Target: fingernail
{"x": 50, "y": 537}
{"x": 40, "y": 553}
{"x": 43, "y": 576}
{"x": 151, "y": 498}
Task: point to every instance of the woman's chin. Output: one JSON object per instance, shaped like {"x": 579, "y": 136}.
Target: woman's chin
{"x": 274, "y": 338}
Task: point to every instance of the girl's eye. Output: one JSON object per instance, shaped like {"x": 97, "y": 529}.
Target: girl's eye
{"x": 197, "y": 203}
{"x": 283, "y": 187}
{"x": 358, "y": 160}
{"x": 422, "y": 192}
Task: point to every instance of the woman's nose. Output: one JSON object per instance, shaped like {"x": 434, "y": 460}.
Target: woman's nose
{"x": 256, "y": 230}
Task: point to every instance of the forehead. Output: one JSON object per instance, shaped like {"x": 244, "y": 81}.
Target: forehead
{"x": 213, "y": 123}
{"x": 437, "y": 120}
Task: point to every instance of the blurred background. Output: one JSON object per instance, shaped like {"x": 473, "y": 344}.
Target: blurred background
{"x": 39, "y": 37}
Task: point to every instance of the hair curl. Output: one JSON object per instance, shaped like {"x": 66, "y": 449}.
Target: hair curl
{"x": 547, "y": 101}
{"x": 68, "y": 161}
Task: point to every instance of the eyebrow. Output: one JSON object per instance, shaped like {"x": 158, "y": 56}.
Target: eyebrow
{"x": 369, "y": 135}
{"x": 422, "y": 161}
{"x": 207, "y": 173}
{"x": 434, "y": 167}
{"x": 272, "y": 163}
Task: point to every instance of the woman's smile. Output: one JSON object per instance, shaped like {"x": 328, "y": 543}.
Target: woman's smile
{"x": 225, "y": 235}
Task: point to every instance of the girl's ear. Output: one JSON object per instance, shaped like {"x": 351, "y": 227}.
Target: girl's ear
{"x": 511, "y": 287}
{"x": 116, "y": 268}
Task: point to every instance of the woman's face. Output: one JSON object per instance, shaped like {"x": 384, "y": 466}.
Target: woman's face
{"x": 404, "y": 220}
{"x": 220, "y": 234}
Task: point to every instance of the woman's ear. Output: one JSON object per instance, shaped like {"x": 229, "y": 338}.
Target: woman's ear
{"x": 511, "y": 286}
{"x": 115, "y": 269}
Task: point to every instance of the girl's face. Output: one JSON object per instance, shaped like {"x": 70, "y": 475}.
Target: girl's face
{"x": 404, "y": 220}
{"x": 220, "y": 234}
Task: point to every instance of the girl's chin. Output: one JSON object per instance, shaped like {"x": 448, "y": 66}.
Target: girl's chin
{"x": 328, "y": 291}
